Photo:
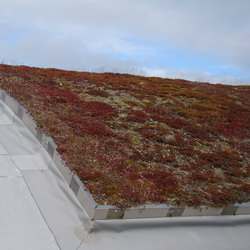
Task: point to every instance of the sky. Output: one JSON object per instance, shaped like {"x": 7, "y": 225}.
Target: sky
{"x": 197, "y": 40}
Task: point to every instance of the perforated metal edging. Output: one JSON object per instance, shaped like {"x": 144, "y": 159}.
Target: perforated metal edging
{"x": 101, "y": 212}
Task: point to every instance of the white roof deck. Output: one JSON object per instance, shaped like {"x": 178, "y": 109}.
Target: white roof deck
{"x": 38, "y": 210}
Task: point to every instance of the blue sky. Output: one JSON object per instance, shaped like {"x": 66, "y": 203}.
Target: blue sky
{"x": 191, "y": 39}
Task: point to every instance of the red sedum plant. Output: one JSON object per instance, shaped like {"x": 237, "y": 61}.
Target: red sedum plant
{"x": 140, "y": 140}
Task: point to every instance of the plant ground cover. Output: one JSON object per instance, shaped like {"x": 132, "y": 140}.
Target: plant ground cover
{"x": 140, "y": 140}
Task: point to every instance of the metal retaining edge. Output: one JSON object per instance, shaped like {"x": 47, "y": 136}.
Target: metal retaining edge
{"x": 103, "y": 212}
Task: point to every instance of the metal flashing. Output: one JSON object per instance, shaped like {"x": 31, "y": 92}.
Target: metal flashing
{"x": 201, "y": 211}
{"x": 20, "y": 112}
{"x": 67, "y": 174}
{"x": 147, "y": 211}
{"x": 12, "y": 103}
{"x": 87, "y": 202}
{"x": 230, "y": 210}
{"x": 29, "y": 122}
{"x": 3, "y": 95}
{"x": 115, "y": 213}
{"x": 175, "y": 211}
{"x": 74, "y": 184}
{"x": 243, "y": 209}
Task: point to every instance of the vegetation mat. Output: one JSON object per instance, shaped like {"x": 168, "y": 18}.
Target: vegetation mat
{"x": 142, "y": 140}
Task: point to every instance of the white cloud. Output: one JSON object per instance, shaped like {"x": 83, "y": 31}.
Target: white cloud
{"x": 95, "y": 33}
{"x": 198, "y": 76}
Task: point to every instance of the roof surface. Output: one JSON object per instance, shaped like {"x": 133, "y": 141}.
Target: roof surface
{"x": 38, "y": 210}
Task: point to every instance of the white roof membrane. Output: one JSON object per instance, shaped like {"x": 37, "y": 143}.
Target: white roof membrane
{"x": 7, "y": 167}
{"x": 22, "y": 225}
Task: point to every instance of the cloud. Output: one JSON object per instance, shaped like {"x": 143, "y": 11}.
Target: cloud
{"x": 198, "y": 76}
{"x": 62, "y": 52}
{"x": 129, "y": 33}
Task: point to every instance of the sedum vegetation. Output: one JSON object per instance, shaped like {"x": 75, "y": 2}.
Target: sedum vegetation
{"x": 137, "y": 140}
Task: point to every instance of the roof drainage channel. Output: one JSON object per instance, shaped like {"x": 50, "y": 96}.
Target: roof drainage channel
{"x": 103, "y": 212}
